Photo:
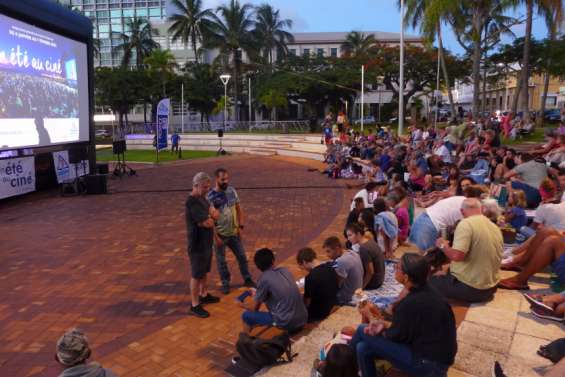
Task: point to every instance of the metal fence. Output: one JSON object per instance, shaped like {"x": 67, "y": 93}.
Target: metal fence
{"x": 294, "y": 126}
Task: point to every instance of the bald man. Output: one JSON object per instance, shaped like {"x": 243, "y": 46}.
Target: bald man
{"x": 475, "y": 257}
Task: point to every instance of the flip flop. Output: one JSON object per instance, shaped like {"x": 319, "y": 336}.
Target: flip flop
{"x": 508, "y": 284}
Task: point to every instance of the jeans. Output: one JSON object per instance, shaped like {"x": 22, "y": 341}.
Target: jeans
{"x": 252, "y": 319}
{"x": 368, "y": 348}
{"x": 533, "y": 197}
{"x": 423, "y": 232}
{"x": 236, "y": 246}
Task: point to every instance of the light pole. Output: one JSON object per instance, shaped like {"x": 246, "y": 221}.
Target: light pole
{"x": 362, "y": 97}
{"x": 502, "y": 65}
{"x": 225, "y": 79}
{"x": 401, "y": 79}
{"x": 380, "y": 80}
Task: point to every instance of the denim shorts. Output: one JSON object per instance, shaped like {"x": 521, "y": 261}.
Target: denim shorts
{"x": 258, "y": 318}
{"x": 423, "y": 232}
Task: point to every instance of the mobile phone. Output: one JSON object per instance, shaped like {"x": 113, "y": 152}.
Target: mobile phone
{"x": 243, "y": 296}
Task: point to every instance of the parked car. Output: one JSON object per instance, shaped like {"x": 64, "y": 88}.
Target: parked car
{"x": 552, "y": 115}
{"x": 101, "y": 133}
{"x": 367, "y": 119}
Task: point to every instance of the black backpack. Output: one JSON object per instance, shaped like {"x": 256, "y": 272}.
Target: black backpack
{"x": 264, "y": 352}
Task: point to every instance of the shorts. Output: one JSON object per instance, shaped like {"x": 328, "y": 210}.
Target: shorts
{"x": 258, "y": 318}
{"x": 451, "y": 288}
{"x": 423, "y": 232}
{"x": 200, "y": 263}
{"x": 559, "y": 268}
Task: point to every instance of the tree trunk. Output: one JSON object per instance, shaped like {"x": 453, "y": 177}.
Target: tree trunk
{"x": 540, "y": 118}
{"x": 476, "y": 75}
{"x": 445, "y": 74}
{"x": 144, "y": 111}
{"x": 484, "y": 99}
{"x": 195, "y": 51}
{"x": 235, "y": 83}
{"x": 517, "y": 91}
{"x": 524, "y": 97}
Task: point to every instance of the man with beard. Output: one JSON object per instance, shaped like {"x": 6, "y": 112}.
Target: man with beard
{"x": 229, "y": 227}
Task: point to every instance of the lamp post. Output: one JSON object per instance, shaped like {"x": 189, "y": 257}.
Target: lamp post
{"x": 502, "y": 65}
{"x": 362, "y": 97}
{"x": 225, "y": 79}
{"x": 401, "y": 78}
{"x": 380, "y": 80}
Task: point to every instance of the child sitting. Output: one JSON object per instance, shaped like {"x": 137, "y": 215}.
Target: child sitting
{"x": 515, "y": 214}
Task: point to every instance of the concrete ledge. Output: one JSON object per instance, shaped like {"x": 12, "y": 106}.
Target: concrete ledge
{"x": 292, "y": 145}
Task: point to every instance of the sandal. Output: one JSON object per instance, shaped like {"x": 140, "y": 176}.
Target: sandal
{"x": 510, "y": 284}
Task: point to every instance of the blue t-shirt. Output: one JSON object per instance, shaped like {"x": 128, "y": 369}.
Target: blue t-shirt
{"x": 520, "y": 219}
{"x": 327, "y": 131}
{"x": 175, "y": 139}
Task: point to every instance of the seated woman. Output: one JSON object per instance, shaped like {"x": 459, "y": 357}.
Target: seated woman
{"x": 386, "y": 228}
{"x": 421, "y": 339}
{"x": 436, "y": 196}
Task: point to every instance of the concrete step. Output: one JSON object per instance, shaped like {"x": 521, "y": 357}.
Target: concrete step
{"x": 262, "y": 152}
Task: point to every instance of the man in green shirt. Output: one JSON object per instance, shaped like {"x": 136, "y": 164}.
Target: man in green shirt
{"x": 475, "y": 257}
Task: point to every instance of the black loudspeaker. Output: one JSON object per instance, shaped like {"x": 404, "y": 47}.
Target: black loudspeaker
{"x": 220, "y": 133}
{"x": 119, "y": 146}
{"x": 102, "y": 168}
{"x": 95, "y": 184}
{"x": 77, "y": 154}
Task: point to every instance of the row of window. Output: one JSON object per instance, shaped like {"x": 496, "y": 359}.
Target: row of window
{"x": 126, "y": 13}
{"x": 101, "y": 4}
{"x": 319, "y": 52}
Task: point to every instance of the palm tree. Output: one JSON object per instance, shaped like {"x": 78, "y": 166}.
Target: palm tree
{"x": 230, "y": 33}
{"x": 161, "y": 64}
{"x": 543, "y": 7}
{"x": 270, "y": 32}
{"x": 553, "y": 20}
{"x": 358, "y": 44}
{"x": 137, "y": 41}
{"x": 190, "y": 23}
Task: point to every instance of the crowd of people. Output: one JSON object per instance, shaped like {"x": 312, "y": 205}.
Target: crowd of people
{"x": 454, "y": 196}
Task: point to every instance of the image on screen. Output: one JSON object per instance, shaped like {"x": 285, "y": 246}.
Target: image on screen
{"x": 43, "y": 87}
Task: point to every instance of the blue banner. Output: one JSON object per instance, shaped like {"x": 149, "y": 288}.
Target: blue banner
{"x": 163, "y": 123}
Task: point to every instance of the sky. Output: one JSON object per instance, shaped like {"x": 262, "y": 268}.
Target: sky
{"x": 362, "y": 15}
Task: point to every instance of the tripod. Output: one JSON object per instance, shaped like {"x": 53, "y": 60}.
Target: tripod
{"x": 121, "y": 168}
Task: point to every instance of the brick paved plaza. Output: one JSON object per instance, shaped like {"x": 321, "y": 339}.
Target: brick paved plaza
{"x": 116, "y": 266}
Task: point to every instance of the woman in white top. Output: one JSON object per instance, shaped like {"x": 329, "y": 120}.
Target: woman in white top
{"x": 368, "y": 194}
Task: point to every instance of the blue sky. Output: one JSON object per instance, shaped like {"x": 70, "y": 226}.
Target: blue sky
{"x": 364, "y": 15}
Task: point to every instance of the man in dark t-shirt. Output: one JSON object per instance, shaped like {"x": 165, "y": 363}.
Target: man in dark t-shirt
{"x": 372, "y": 256}
{"x": 320, "y": 285}
{"x": 200, "y": 217}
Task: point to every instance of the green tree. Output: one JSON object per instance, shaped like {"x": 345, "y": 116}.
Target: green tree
{"x": 203, "y": 89}
{"x": 230, "y": 33}
{"x": 270, "y": 32}
{"x": 137, "y": 42}
{"x": 161, "y": 65}
{"x": 358, "y": 44}
{"x": 272, "y": 100}
{"x": 189, "y": 23}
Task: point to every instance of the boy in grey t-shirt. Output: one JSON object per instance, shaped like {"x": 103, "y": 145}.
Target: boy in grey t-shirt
{"x": 348, "y": 267}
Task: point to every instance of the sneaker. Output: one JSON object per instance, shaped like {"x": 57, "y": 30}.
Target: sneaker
{"x": 225, "y": 289}
{"x": 497, "y": 370}
{"x": 545, "y": 314}
{"x": 249, "y": 283}
{"x": 536, "y": 302}
{"x": 199, "y": 311}
{"x": 209, "y": 299}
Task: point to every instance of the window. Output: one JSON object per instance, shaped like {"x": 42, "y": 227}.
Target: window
{"x": 142, "y": 12}
{"x": 155, "y": 18}
{"x": 103, "y": 35}
{"x": 155, "y": 12}
{"x": 333, "y": 52}
{"x": 292, "y": 52}
{"x": 101, "y": 2}
{"x": 140, "y": 3}
{"x": 116, "y": 13}
{"x": 117, "y": 28}
{"x": 129, "y": 13}
{"x": 306, "y": 52}
{"x": 104, "y": 28}
{"x": 102, "y": 14}
{"x": 320, "y": 52}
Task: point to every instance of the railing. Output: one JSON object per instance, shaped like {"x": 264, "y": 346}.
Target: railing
{"x": 285, "y": 127}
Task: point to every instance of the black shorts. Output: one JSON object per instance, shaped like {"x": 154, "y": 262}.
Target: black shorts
{"x": 451, "y": 288}
{"x": 200, "y": 263}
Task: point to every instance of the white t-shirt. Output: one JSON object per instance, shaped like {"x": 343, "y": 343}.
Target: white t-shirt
{"x": 446, "y": 212}
{"x": 444, "y": 153}
{"x": 367, "y": 199}
{"x": 551, "y": 215}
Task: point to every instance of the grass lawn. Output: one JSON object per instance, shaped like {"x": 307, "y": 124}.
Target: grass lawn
{"x": 148, "y": 155}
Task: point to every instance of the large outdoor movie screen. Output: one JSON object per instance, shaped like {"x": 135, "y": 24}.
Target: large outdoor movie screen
{"x": 43, "y": 87}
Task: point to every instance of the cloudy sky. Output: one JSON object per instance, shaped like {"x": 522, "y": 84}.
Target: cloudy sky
{"x": 364, "y": 15}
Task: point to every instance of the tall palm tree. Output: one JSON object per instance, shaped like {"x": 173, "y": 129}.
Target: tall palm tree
{"x": 414, "y": 16}
{"x": 230, "y": 33}
{"x": 543, "y": 6}
{"x": 161, "y": 64}
{"x": 553, "y": 19}
{"x": 270, "y": 31}
{"x": 358, "y": 44}
{"x": 137, "y": 41}
{"x": 189, "y": 23}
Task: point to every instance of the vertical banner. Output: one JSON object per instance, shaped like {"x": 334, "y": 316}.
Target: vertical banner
{"x": 17, "y": 176}
{"x": 163, "y": 123}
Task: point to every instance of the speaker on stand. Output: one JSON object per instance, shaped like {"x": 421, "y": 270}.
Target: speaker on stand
{"x": 221, "y": 150}
{"x": 77, "y": 156}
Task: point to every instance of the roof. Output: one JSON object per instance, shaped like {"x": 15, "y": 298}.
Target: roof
{"x": 339, "y": 37}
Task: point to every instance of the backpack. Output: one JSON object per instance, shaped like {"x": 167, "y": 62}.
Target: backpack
{"x": 264, "y": 352}
{"x": 553, "y": 351}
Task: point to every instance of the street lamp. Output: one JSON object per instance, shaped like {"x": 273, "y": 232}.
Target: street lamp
{"x": 380, "y": 80}
{"x": 502, "y": 65}
{"x": 225, "y": 79}
{"x": 401, "y": 78}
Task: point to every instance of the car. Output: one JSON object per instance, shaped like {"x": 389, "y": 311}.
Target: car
{"x": 552, "y": 115}
{"x": 366, "y": 119}
{"x": 101, "y": 133}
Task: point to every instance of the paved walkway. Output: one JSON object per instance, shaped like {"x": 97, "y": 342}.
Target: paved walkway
{"x": 116, "y": 266}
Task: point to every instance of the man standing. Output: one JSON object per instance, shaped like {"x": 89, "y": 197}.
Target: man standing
{"x": 475, "y": 257}
{"x": 175, "y": 138}
{"x": 229, "y": 226}
{"x": 200, "y": 231}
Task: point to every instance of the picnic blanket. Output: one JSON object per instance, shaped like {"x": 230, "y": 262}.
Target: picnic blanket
{"x": 387, "y": 293}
